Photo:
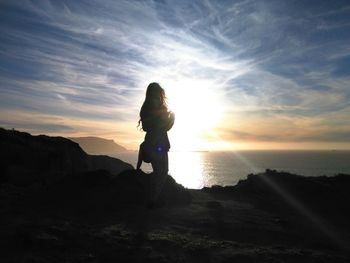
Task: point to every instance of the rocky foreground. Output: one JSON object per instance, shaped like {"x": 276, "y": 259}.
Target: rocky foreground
{"x": 94, "y": 215}
{"x": 98, "y": 218}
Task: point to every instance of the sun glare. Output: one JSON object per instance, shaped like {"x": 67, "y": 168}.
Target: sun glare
{"x": 197, "y": 109}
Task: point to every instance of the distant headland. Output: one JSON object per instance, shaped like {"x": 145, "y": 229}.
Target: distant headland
{"x": 97, "y": 145}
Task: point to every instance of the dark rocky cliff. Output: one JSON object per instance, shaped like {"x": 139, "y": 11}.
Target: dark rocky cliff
{"x": 26, "y": 159}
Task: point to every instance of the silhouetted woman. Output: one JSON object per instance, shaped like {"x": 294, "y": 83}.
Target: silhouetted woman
{"x": 156, "y": 120}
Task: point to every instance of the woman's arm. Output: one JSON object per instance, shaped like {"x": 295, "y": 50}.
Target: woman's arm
{"x": 171, "y": 120}
{"x": 161, "y": 121}
{"x": 167, "y": 120}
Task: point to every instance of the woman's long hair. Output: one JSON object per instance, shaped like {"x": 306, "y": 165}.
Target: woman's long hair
{"x": 155, "y": 101}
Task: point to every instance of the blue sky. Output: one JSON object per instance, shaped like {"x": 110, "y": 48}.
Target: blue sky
{"x": 280, "y": 70}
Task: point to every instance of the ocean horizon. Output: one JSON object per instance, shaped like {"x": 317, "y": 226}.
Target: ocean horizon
{"x": 197, "y": 169}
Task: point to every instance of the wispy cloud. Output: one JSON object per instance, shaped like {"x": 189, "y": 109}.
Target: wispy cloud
{"x": 91, "y": 60}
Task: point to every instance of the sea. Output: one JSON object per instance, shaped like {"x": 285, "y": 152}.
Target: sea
{"x": 196, "y": 170}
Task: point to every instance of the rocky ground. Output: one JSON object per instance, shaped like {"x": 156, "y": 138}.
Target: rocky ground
{"x": 93, "y": 217}
{"x": 60, "y": 204}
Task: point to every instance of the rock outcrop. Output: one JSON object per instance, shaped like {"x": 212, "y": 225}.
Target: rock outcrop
{"x": 283, "y": 189}
{"x": 134, "y": 186}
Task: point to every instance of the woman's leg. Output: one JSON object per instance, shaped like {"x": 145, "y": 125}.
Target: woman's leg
{"x": 160, "y": 173}
{"x": 140, "y": 157}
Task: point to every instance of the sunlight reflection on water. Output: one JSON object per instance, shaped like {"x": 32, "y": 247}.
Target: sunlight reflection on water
{"x": 187, "y": 167}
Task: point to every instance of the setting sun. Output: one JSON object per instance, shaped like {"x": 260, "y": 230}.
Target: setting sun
{"x": 198, "y": 110}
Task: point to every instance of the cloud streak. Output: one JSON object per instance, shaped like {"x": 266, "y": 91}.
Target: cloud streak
{"x": 91, "y": 60}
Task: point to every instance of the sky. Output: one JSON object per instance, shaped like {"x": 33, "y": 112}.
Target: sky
{"x": 248, "y": 74}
